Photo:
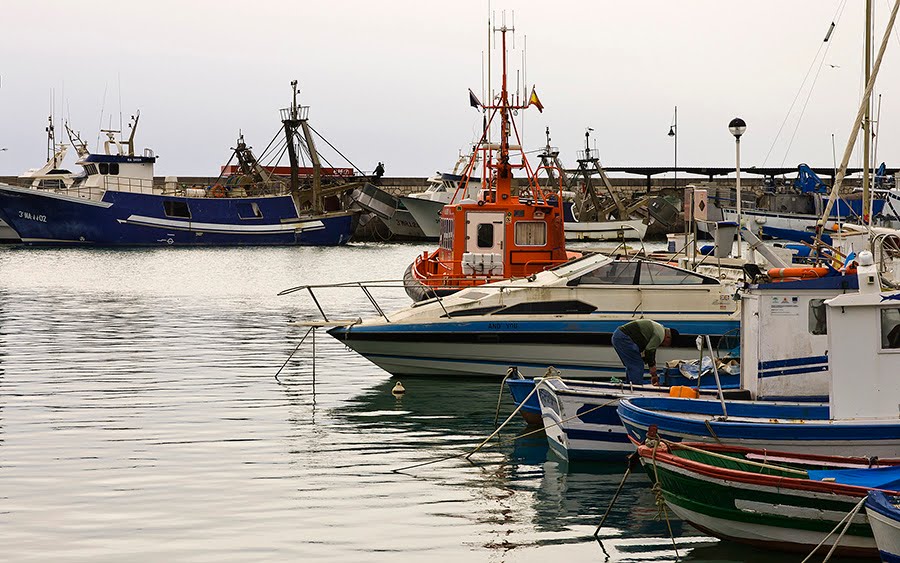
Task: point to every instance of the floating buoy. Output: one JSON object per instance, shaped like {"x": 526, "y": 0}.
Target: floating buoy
{"x": 398, "y": 389}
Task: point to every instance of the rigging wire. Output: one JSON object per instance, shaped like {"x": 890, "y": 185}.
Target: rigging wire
{"x": 823, "y": 45}
{"x": 787, "y": 150}
{"x": 335, "y": 149}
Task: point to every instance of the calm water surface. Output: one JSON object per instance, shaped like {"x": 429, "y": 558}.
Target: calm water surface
{"x": 140, "y": 419}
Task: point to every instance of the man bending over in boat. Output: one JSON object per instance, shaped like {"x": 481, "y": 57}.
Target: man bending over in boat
{"x": 636, "y": 342}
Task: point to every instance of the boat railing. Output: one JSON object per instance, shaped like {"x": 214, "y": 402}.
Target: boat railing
{"x": 589, "y": 154}
{"x": 127, "y": 184}
{"x": 364, "y": 286}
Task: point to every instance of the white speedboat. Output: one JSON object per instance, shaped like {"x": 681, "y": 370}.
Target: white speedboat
{"x": 562, "y": 317}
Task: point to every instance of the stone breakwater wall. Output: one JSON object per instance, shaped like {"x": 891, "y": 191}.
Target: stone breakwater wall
{"x": 400, "y": 186}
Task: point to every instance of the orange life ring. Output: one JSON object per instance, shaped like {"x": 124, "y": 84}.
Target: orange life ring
{"x": 217, "y": 191}
{"x": 803, "y": 273}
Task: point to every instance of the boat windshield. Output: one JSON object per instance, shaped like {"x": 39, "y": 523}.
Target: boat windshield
{"x": 624, "y": 272}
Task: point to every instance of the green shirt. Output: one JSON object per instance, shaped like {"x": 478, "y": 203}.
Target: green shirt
{"x": 648, "y": 335}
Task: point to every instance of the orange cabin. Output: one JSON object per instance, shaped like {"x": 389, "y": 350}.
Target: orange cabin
{"x": 482, "y": 242}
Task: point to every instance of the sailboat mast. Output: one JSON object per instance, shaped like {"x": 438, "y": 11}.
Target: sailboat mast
{"x": 867, "y": 120}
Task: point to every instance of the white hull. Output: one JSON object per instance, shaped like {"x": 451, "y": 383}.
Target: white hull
{"x": 757, "y": 533}
{"x": 587, "y": 361}
{"x": 887, "y": 535}
{"x": 605, "y": 230}
{"x": 426, "y": 213}
{"x": 755, "y": 219}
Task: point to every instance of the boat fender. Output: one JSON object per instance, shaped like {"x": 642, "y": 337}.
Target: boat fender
{"x": 217, "y": 191}
{"x": 398, "y": 389}
{"x": 683, "y": 391}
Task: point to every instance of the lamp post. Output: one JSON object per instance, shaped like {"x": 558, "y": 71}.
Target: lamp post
{"x": 673, "y": 132}
{"x": 737, "y": 126}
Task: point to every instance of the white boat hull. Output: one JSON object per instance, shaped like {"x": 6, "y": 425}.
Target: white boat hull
{"x": 426, "y": 213}
{"x": 756, "y": 219}
{"x": 587, "y": 361}
{"x": 605, "y": 230}
{"x": 887, "y": 535}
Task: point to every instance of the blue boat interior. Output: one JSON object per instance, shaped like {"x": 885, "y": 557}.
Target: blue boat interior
{"x": 887, "y": 478}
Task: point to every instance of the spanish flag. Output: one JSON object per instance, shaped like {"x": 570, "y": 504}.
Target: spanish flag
{"x": 535, "y": 101}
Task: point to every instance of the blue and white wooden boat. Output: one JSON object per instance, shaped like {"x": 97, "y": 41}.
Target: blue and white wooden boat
{"x": 883, "y": 511}
{"x": 115, "y": 202}
{"x": 861, "y": 416}
{"x": 581, "y": 419}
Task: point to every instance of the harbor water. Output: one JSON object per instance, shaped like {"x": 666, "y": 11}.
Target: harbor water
{"x": 141, "y": 420}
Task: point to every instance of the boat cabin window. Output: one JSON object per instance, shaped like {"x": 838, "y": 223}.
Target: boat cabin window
{"x": 53, "y": 184}
{"x": 890, "y": 329}
{"x": 661, "y": 274}
{"x": 90, "y": 169}
{"x": 616, "y": 273}
{"x": 178, "y": 209}
{"x": 620, "y": 272}
{"x": 531, "y": 233}
{"x": 111, "y": 168}
{"x": 249, "y": 210}
{"x": 446, "y": 241}
{"x": 817, "y": 319}
{"x": 485, "y": 235}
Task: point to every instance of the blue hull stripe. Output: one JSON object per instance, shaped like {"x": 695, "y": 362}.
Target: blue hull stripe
{"x": 713, "y": 328}
{"x": 797, "y": 371}
{"x": 791, "y": 362}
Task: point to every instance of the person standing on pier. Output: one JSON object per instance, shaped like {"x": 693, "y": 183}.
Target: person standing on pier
{"x": 636, "y": 343}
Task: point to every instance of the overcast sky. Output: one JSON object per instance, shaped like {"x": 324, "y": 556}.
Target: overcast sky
{"x": 387, "y": 81}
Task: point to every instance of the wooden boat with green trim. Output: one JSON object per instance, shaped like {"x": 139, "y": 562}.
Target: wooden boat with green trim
{"x": 769, "y": 499}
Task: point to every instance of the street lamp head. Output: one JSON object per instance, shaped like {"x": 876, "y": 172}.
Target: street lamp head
{"x": 672, "y": 131}
{"x": 737, "y": 127}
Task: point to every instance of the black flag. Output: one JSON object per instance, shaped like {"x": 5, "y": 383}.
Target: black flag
{"x": 473, "y": 100}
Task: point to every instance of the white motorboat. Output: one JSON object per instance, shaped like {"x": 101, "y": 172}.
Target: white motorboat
{"x": 562, "y": 317}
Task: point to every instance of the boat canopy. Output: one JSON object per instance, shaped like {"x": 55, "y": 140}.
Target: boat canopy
{"x": 877, "y": 477}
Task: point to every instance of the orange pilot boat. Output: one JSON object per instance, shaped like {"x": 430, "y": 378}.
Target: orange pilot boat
{"x": 499, "y": 235}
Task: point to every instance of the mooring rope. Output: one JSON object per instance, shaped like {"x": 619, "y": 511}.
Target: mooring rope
{"x": 848, "y": 518}
{"x": 505, "y": 442}
{"x": 500, "y": 395}
{"x": 661, "y": 500}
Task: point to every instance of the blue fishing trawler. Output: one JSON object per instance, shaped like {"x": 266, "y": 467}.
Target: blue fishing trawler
{"x": 114, "y": 201}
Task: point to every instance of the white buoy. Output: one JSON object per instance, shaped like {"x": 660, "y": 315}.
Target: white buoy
{"x": 398, "y": 389}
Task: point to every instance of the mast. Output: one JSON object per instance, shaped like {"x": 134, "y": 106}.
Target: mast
{"x": 290, "y": 117}
{"x": 866, "y": 126}
{"x": 51, "y": 142}
{"x": 504, "y": 173}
